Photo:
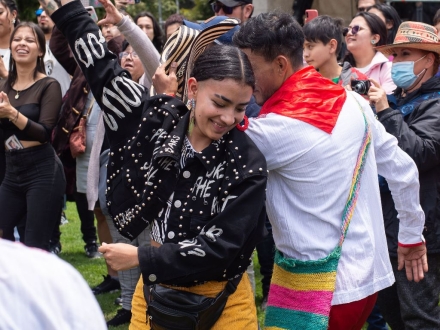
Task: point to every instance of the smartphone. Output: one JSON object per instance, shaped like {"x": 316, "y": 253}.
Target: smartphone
{"x": 92, "y": 13}
{"x": 311, "y": 14}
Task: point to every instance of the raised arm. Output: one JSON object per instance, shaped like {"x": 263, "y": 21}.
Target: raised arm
{"x": 121, "y": 99}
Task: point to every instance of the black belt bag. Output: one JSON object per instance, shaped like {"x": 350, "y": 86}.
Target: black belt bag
{"x": 170, "y": 309}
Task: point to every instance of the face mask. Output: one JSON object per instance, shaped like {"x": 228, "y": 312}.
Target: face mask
{"x": 403, "y": 75}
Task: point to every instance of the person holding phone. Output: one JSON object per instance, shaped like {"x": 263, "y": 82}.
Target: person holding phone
{"x": 34, "y": 183}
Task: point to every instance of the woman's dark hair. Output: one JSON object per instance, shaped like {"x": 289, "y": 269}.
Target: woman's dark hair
{"x": 324, "y": 28}
{"x": 41, "y": 41}
{"x": 158, "y": 36}
{"x": 272, "y": 34}
{"x": 377, "y": 26}
{"x": 391, "y": 17}
{"x": 221, "y": 62}
{"x": 11, "y": 5}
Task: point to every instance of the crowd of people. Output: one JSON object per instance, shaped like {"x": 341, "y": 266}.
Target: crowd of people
{"x": 197, "y": 144}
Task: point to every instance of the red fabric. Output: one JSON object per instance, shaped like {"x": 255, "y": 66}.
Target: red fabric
{"x": 410, "y": 245}
{"x": 309, "y": 97}
{"x": 351, "y": 316}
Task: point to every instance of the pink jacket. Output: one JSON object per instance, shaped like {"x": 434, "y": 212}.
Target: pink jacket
{"x": 380, "y": 71}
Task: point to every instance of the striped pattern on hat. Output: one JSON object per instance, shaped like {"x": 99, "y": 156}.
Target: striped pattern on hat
{"x": 186, "y": 44}
{"x": 415, "y": 35}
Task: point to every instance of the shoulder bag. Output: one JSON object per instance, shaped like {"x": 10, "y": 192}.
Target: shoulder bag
{"x": 77, "y": 140}
{"x": 301, "y": 292}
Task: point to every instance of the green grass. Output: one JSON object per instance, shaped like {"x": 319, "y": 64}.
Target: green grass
{"x": 93, "y": 269}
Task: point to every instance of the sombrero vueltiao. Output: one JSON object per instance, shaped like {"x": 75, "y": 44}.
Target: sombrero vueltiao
{"x": 414, "y": 35}
{"x": 186, "y": 44}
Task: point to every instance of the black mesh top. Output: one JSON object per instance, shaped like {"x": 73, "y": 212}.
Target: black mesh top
{"x": 40, "y": 103}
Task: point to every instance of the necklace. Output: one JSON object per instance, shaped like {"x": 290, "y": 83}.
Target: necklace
{"x": 17, "y": 96}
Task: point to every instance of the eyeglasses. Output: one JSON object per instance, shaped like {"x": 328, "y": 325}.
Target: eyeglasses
{"x": 360, "y": 9}
{"x": 217, "y": 6}
{"x": 38, "y": 12}
{"x": 354, "y": 30}
{"x": 125, "y": 55}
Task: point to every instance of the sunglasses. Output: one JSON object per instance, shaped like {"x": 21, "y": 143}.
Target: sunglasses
{"x": 354, "y": 30}
{"x": 360, "y": 9}
{"x": 217, "y": 6}
{"x": 125, "y": 55}
{"x": 38, "y": 12}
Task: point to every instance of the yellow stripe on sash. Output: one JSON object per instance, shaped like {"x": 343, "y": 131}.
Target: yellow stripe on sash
{"x": 303, "y": 282}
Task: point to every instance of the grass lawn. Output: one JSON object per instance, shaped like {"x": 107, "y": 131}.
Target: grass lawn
{"x": 93, "y": 269}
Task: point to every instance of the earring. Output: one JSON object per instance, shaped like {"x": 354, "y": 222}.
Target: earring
{"x": 191, "y": 104}
{"x": 373, "y": 42}
{"x": 13, "y": 21}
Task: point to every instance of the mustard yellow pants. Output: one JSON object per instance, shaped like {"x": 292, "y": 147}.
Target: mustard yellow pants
{"x": 239, "y": 313}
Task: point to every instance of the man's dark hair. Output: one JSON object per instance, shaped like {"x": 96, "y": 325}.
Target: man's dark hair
{"x": 173, "y": 19}
{"x": 272, "y": 34}
{"x": 221, "y": 62}
{"x": 324, "y": 28}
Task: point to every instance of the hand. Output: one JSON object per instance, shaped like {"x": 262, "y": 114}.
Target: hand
{"x": 164, "y": 83}
{"x": 120, "y": 256}
{"x": 378, "y": 96}
{"x": 6, "y": 109}
{"x": 113, "y": 16}
{"x": 414, "y": 260}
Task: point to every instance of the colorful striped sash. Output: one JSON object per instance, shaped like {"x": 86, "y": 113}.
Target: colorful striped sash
{"x": 301, "y": 292}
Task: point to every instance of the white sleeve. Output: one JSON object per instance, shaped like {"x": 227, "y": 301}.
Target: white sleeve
{"x": 143, "y": 46}
{"x": 402, "y": 176}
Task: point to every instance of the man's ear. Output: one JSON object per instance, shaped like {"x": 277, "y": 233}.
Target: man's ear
{"x": 247, "y": 10}
{"x": 333, "y": 46}
{"x": 192, "y": 87}
{"x": 281, "y": 64}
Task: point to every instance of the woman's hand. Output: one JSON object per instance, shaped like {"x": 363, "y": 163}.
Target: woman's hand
{"x": 120, "y": 256}
{"x": 163, "y": 83}
{"x": 378, "y": 96}
{"x": 113, "y": 16}
{"x": 6, "y": 109}
{"x": 3, "y": 69}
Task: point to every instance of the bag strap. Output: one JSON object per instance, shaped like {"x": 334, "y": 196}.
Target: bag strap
{"x": 350, "y": 205}
{"x": 92, "y": 102}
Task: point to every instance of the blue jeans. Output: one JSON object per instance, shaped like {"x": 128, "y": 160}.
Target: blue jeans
{"x": 33, "y": 190}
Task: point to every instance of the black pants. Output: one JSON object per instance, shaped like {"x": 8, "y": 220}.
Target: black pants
{"x": 266, "y": 256}
{"x": 86, "y": 217}
{"x": 409, "y": 305}
{"x": 32, "y": 189}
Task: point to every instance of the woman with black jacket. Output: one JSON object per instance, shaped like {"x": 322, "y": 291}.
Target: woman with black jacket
{"x": 192, "y": 174}
{"x": 412, "y": 115}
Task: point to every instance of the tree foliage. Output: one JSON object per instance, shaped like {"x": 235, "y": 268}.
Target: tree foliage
{"x": 26, "y": 10}
{"x": 192, "y": 9}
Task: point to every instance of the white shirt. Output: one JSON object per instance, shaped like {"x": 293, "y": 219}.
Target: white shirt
{"x": 310, "y": 174}
{"x": 39, "y": 291}
{"x": 55, "y": 70}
